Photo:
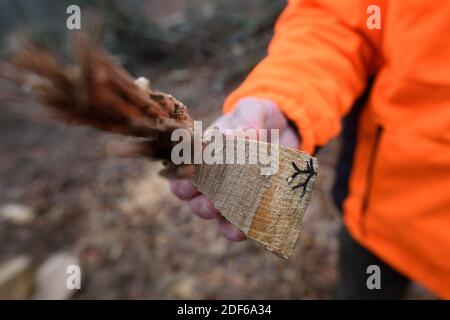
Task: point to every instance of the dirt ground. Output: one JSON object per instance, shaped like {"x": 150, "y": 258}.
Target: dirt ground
{"x": 136, "y": 240}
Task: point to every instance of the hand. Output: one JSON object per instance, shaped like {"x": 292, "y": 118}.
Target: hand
{"x": 249, "y": 113}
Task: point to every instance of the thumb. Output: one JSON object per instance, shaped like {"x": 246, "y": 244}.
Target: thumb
{"x": 248, "y": 114}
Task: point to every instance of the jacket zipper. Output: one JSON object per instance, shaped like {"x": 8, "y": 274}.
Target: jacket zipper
{"x": 370, "y": 174}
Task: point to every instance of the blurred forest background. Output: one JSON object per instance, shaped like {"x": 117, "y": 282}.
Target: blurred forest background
{"x": 62, "y": 198}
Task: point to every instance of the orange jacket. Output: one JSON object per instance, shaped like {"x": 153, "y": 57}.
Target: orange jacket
{"x": 318, "y": 63}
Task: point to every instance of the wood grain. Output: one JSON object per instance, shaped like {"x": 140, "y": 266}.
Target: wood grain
{"x": 268, "y": 209}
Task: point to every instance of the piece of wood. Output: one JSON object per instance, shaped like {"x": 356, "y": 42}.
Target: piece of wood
{"x": 268, "y": 209}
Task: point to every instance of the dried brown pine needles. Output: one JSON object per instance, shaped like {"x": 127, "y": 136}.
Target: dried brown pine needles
{"x": 93, "y": 90}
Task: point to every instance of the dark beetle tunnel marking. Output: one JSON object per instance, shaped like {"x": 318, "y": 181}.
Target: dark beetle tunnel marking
{"x": 309, "y": 171}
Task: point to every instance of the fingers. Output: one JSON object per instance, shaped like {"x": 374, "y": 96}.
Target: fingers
{"x": 183, "y": 189}
{"x": 230, "y": 232}
{"x": 273, "y": 117}
{"x": 201, "y": 206}
{"x": 255, "y": 113}
{"x": 247, "y": 114}
{"x": 289, "y": 138}
{"x": 258, "y": 113}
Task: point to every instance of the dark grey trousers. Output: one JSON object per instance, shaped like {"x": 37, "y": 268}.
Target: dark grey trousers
{"x": 353, "y": 263}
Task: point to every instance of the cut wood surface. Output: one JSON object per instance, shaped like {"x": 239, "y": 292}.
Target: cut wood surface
{"x": 267, "y": 208}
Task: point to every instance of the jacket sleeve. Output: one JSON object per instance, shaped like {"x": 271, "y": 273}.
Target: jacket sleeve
{"x": 318, "y": 63}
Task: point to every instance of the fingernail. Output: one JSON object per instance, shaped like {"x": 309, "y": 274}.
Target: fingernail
{"x": 204, "y": 209}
